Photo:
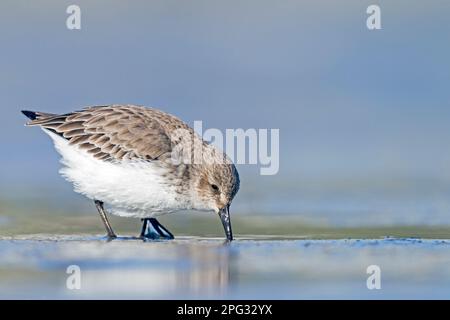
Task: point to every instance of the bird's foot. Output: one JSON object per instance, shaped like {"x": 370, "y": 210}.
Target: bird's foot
{"x": 111, "y": 237}
{"x": 152, "y": 229}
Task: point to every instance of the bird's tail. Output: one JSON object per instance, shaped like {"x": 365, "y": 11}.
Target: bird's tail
{"x": 36, "y": 117}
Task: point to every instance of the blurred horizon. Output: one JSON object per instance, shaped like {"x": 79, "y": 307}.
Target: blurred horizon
{"x": 363, "y": 115}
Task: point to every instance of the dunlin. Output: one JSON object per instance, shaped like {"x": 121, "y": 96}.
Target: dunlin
{"x": 130, "y": 160}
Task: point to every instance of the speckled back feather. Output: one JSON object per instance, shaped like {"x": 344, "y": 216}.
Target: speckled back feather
{"x": 116, "y": 132}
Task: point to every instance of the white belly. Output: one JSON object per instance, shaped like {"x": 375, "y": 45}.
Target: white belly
{"x": 128, "y": 189}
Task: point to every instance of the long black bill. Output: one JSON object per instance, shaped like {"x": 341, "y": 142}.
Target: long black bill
{"x": 224, "y": 215}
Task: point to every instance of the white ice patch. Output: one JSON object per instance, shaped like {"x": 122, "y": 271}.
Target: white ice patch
{"x": 130, "y": 189}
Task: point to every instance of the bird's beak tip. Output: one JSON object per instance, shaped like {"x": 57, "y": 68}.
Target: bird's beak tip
{"x": 224, "y": 215}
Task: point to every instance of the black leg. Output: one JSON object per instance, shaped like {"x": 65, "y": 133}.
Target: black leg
{"x": 152, "y": 229}
{"x": 144, "y": 227}
{"x": 102, "y": 213}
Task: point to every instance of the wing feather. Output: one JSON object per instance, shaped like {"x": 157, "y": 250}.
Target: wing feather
{"x": 116, "y": 132}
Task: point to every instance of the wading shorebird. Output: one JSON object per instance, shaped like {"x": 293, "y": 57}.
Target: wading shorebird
{"x": 132, "y": 161}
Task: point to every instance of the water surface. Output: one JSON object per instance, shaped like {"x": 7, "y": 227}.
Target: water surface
{"x": 248, "y": 268}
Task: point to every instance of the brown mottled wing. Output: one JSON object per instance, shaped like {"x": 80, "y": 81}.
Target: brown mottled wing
{"x": 115, "y": 132}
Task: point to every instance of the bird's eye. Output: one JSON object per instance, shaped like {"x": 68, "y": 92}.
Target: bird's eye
{"x": 215, "y": 187}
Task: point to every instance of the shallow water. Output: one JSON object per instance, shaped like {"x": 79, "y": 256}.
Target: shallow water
{"x": 250, "y": 267}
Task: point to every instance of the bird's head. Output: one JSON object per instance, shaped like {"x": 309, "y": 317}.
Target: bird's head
{"x": 217, "y": 184}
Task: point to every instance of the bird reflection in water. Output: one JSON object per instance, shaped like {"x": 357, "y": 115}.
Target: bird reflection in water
{"x": 166, "y": 269}
{"x": 207, "y": 271}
